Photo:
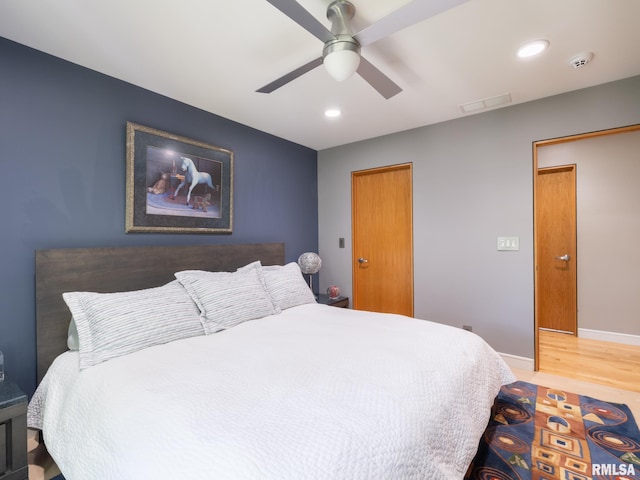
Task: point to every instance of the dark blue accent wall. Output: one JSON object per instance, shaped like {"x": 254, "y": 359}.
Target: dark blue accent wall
{"x": 62, "y": 159}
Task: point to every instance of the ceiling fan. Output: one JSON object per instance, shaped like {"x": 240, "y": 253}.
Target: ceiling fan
{"x": 341, "y": 52}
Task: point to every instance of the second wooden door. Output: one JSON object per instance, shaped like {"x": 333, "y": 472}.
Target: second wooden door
{"x": 556, "y": 289}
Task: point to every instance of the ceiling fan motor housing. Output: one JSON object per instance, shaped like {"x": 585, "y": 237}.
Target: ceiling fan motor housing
{"x": 343, "y": 42}
{"x": 340, "y": 14}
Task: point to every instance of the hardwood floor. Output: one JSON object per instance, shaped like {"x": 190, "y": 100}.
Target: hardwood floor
{"x": 605, "y": 363}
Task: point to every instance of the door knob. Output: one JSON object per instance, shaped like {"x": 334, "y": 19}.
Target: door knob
{"x": 362, "y": 260}
{"x": 564, "y": 258}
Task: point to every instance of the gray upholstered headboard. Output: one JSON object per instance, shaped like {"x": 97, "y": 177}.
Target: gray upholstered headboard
{"x": 117, "y": 269}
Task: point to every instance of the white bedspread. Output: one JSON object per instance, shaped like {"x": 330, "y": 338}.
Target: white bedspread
{"x": 316, "y": 392}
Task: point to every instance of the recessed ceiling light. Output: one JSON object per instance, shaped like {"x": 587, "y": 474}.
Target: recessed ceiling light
{"x": 533, "y": 48}
{"x": 332, "y": 113}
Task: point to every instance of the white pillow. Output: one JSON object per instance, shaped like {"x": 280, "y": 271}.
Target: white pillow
{"x": 226, "y": 299}
{"x": 113, "y": 324}
{"x": 287, "y": 286}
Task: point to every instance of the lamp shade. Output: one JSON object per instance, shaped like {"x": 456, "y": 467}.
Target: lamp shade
{"x": 309, "y": 263}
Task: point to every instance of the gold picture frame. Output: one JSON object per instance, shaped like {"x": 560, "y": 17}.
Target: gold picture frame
{"x": 176, "y": 184}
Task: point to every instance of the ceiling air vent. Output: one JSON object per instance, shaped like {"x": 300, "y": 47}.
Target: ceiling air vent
{"x": 581, "y": 60}
{"x": 486, "y": 103}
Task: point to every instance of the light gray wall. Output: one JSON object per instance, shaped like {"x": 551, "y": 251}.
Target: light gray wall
{"x": 608, "y": 227}
{"x": 473, "y": 182}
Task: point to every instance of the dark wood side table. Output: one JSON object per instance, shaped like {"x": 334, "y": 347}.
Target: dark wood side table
{"x": 13, "y": 432}
{"x": 342, "y": 302}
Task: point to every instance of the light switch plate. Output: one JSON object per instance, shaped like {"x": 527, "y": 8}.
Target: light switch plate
{"x": 508, "y": 243}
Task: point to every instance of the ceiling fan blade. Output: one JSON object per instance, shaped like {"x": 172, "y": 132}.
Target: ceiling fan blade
{"x": 378, "y": 80}
{"x": 302, "y": 17}
{"x": 291, "y": 76}
{"x": 412, "y": 13}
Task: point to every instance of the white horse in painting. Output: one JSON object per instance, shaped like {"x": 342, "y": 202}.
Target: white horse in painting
{"x": 193, "y": 177}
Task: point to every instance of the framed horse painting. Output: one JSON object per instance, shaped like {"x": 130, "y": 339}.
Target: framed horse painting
{"x": 175, "y": 184}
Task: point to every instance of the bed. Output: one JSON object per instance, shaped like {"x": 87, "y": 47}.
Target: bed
{"x": 240, "y": 374}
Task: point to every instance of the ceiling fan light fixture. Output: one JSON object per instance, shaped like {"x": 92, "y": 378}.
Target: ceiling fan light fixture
{"x": 341, "y": 58}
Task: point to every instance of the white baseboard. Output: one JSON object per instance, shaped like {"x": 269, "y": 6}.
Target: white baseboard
{"x": 625, "y": 338}
{"x": 522, "y": 363}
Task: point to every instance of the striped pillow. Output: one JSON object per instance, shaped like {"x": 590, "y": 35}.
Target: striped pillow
{"x": 114, "y": 324}
{"x": 226, "y": 299}
{"x": 287, "y": 286}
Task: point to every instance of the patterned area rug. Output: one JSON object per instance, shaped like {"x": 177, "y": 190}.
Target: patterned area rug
{"x": 540, "y": 433}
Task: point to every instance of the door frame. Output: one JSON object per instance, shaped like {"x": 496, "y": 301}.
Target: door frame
{"x": 536, "y": 145}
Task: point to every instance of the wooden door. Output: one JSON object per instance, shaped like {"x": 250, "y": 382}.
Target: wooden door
{"x": 382, "y": 215}
{"x": 556, "y": 289}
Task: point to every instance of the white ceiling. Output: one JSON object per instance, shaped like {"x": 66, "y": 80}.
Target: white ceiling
{"x": 214, "y": 55}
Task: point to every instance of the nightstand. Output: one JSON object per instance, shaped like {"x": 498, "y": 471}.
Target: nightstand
{"x": 13, "y": 432}
{"x": 342, "y": 302}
